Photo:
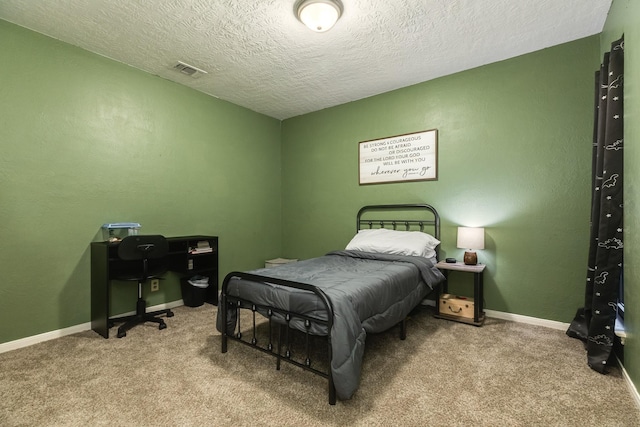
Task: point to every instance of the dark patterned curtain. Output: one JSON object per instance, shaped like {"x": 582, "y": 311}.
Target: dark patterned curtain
{"x": 595, "y": 322}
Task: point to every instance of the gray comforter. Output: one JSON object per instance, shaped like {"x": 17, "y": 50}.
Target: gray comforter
{"x": 369, "y": 293}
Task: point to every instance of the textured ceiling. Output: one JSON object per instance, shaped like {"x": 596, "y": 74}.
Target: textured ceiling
{"x": 258, "y": 55}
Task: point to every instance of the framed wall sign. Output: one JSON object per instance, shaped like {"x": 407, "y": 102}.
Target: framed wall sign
{"x": 409, "y": 157}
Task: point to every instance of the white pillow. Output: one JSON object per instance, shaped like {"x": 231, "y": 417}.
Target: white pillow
{"x": 385, "y": 241}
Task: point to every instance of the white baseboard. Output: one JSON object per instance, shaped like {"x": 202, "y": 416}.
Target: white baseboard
{"x": 515, "y": 317}
{"x": 26, "y": 342}
{"x": 35, "y": 339}
{"x": 527, "y": 319}
{"x": 632, "y": 388}
{"x": 172, "y": 304}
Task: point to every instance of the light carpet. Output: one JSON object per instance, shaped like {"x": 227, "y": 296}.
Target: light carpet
{"x": 443, "y": 374}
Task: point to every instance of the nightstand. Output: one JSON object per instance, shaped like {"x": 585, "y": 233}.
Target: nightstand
{"x": 478, "y": 291}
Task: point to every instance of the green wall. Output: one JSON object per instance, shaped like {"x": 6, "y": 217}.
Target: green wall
{"x": 85, "y": 141}
{"x": 514, "y": 156}
{"x": 624, "y": 18}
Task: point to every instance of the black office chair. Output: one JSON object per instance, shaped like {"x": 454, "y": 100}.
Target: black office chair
{"x": 144, "y": 250}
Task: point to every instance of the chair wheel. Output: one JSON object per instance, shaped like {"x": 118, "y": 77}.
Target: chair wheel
{"x": 169, "y": 313}
{"x": 122, "y": 334}
{"x": 162, "y": 326}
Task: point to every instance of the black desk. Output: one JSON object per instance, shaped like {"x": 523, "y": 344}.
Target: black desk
{"x": 105, "y": 262}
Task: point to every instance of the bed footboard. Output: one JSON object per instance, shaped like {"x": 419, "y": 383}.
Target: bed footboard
{"x": 278, "y": 320}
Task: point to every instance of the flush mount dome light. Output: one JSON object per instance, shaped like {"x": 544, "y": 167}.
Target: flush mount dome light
{"x": 318, "y": 15}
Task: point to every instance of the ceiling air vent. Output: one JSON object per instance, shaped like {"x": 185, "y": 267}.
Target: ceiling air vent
{"x": 189, "y": 70}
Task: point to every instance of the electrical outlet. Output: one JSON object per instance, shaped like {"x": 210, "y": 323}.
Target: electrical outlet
{"x": 155, "y": 285}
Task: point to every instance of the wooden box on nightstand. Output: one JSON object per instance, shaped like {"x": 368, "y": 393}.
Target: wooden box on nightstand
{"x": 457, "y": 306}
{"x": 475, "y": 304}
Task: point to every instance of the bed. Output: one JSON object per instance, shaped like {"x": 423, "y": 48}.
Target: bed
{"x": 385, "y": 271}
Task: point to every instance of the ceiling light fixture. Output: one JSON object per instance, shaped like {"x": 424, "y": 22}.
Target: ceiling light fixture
{"x": 318, "y": 15}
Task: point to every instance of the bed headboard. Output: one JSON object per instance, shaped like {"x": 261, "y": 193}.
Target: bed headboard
{"x": 409, "y": 217}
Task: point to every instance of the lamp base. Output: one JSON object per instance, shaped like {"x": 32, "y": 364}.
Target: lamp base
{"x": 470, "y": 258}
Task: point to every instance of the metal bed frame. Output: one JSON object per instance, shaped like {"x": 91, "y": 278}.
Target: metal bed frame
{"x": 274, "y": 314}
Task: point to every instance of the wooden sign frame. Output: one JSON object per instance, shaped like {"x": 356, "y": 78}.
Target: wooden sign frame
{"x": 400, "y": 158}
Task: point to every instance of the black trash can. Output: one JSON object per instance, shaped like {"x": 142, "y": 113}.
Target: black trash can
{"x": 194, "y": 290}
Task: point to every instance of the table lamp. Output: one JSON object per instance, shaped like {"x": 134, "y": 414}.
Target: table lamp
{"x": 470, "y": 238}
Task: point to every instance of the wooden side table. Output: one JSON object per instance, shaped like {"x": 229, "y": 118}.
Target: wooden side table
{"x": 478, "y": 291}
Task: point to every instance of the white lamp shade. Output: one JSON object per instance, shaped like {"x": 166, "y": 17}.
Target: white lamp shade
{"x": 319, "y": 15}
{"x": 470, "y": 238}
